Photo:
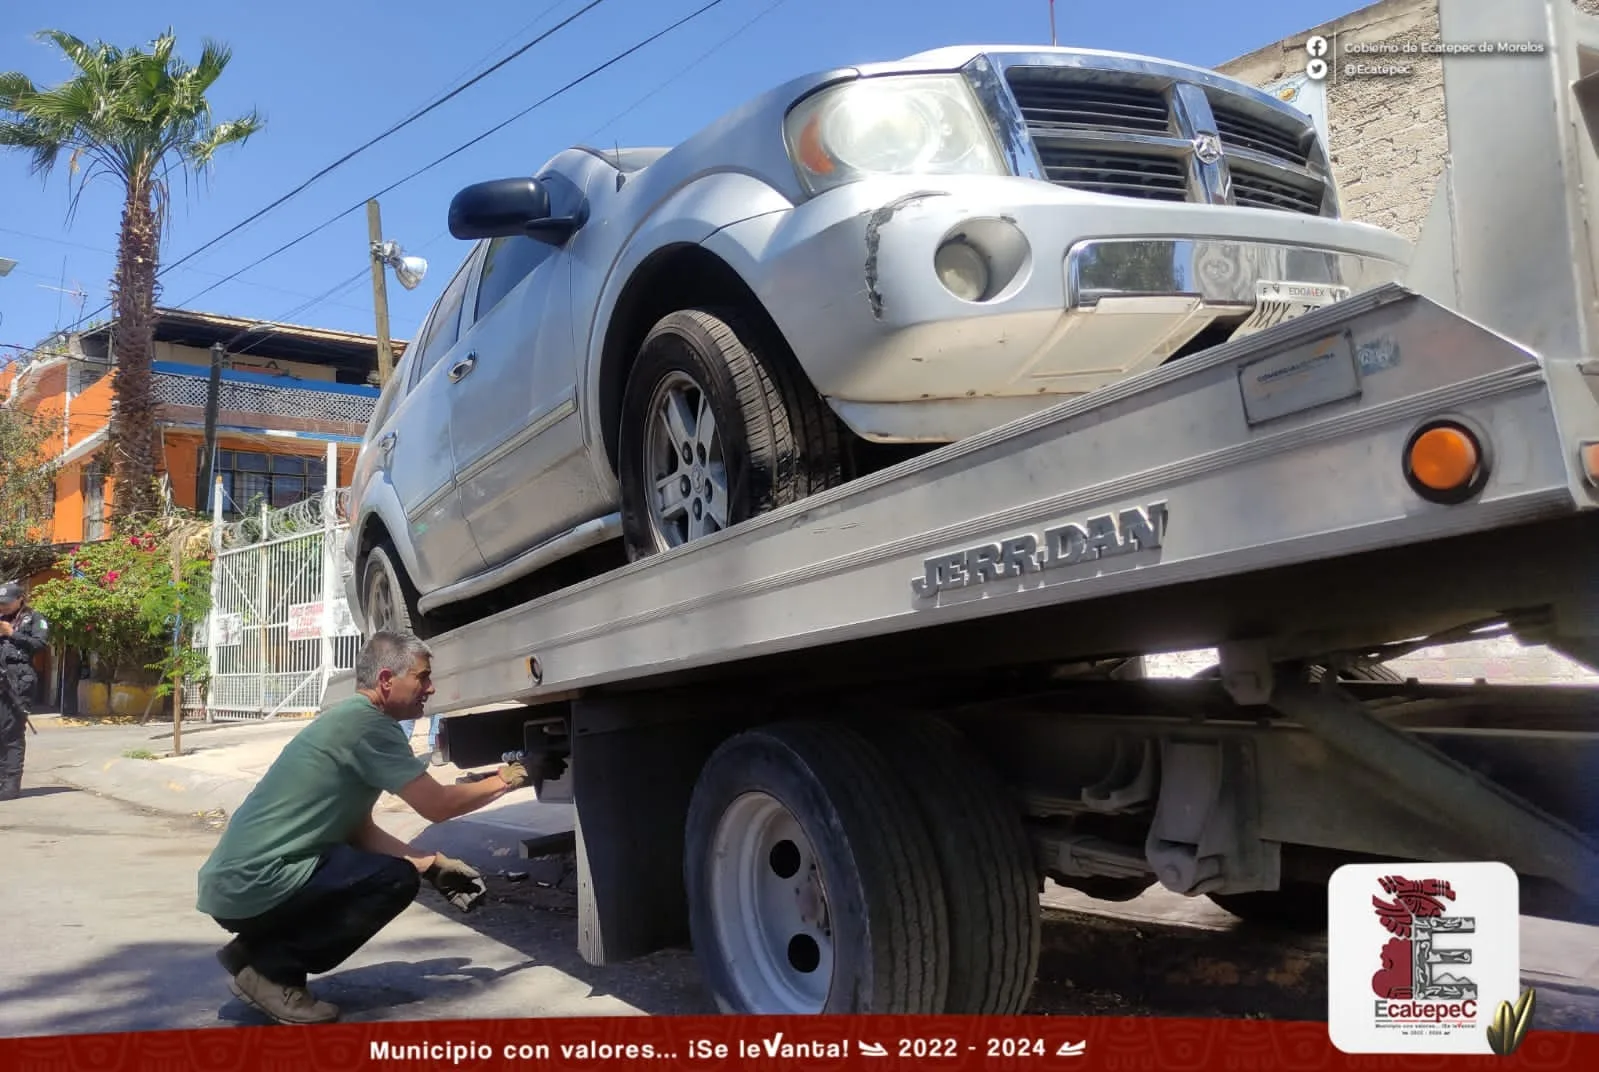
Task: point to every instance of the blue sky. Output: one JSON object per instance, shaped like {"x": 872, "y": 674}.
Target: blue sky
{"x": 330, "y": 74}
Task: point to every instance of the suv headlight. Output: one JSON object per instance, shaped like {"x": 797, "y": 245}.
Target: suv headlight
{"x": 910, "y": 125}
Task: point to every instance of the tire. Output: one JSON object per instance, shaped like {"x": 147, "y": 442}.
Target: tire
{"x": 986, "y": 861}
{"x": 777, "y": 440}
{"x": 382, "y": 572}
{"x": 1300, "y": 906}
{"x": 867, "y": 934}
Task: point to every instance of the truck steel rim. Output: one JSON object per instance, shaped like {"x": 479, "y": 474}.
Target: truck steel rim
{"x": 769, "y": 904}
{"x": 683, "y": 463}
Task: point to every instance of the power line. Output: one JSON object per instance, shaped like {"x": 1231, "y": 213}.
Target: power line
{"x": 264, "y": 286}
{"x": 112, "y": 253}
{"x": 514, "y": 33}
{"x": 272, "y": 327}
{"x": 361, "y": 148}
{"x": 723, "y": 43}
{"x": 619, "y": 57}
{"x": 401, "y": 125}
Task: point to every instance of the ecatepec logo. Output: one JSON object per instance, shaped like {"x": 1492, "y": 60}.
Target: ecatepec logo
{"x": 1421, "y": 956}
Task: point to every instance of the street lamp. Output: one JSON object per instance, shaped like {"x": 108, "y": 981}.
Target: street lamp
{"x": 6, "y": 264}
{"x": 408, "y": 270}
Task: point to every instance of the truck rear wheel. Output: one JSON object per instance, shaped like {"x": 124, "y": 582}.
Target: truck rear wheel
{"x": 985, "y": 858}
{"x": 812, "y": 883}
{"x": 715, "y": 429}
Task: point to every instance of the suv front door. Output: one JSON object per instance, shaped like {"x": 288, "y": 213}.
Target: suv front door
{"x": 414, "y": 449}
{"x": 520, "y": 459}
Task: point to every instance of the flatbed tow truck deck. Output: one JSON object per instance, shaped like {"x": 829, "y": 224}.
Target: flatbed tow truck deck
{"x": 839, "y": 747}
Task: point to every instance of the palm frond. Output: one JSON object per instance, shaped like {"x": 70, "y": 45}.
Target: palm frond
{"x": 129, "y": 114}
{"x": 85, "y": 57}
{"x": 14, "y": 86}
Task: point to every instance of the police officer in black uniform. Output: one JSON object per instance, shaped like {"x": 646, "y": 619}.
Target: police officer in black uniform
{"x": 23, "y": 634}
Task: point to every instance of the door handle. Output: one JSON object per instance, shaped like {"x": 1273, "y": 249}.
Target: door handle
{"x": 462, "y": 367}
{"x": 386, "y": 444}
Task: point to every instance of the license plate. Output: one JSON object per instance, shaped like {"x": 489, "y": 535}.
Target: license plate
{"x": 1277, "y": 302}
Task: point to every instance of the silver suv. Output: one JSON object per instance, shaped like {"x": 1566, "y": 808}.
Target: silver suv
{"x": 652, "y": 345}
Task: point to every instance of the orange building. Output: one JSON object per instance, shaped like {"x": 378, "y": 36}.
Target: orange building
{"x": 286, "y": 392}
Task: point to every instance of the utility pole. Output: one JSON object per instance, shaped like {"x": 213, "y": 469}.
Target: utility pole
{"x": 177, "y": 641}
{"x": 213, "y": 400}
{"x": 380, "y": 293}
{"x": 1052, "y": 40}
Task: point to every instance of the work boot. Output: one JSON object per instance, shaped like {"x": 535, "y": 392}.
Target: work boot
{"x": 285, "y": 1004}
{"x": 233, "y": 957}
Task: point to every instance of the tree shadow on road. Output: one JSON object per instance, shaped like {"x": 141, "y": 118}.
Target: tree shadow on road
{"x": 537, "y": 917}
{"x": 540, "y": 924}
{"x": 1089, "y": 964}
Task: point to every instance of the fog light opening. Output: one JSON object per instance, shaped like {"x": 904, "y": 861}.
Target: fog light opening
{"x": 963, "y": 269}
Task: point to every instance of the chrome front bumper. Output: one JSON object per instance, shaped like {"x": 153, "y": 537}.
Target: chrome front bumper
{"x": 1217, "y": 273}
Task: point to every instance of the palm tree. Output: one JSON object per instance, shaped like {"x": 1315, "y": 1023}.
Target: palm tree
{"x": 135, "y": 116}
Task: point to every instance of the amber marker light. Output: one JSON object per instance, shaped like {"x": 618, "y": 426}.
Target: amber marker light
{"x": 1445, "y": 462}
{"x": 811, "y": 152}
{"x": 1589, "y": 452}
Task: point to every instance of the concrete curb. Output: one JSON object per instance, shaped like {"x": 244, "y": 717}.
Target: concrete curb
{"x": 159, "y": 785}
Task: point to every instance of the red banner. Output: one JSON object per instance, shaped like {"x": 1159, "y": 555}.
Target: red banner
{"x": 816, "y": 1044}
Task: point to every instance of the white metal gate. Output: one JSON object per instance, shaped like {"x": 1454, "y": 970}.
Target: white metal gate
{"x": 279, "y": 625}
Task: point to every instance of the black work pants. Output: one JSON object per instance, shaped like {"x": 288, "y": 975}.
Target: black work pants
{"x": 350, "y": 898}
{"x": 13, "y": 746}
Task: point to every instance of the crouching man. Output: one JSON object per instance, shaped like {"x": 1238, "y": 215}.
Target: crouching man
{"x": 302, "y": 875}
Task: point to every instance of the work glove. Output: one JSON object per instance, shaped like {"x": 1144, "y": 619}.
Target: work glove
{"x": 513, "y": 774}
{"x": 460, "y": 883}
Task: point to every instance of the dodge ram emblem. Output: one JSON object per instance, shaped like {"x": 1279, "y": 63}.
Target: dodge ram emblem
{"x": 1207, "y": 147}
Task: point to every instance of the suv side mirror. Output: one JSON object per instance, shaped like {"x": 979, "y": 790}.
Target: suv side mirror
{"x": 500, "y": 208}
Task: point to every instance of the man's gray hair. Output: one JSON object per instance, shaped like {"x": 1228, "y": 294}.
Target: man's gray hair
{"x": 389, "y": 651}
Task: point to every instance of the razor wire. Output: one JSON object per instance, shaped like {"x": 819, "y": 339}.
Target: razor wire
{"x": 297, "y": 519}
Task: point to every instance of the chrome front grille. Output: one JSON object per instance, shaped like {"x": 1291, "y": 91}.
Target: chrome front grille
{"x": 1055, "y": 106}
{"x": 1269, "y": 137}
{"x": 1127, "y": 174}
{"x": 1133, "y": 133}
{"x": 1259, "y": 190}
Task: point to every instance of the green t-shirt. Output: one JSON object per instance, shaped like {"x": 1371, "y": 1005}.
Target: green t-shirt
{"x": 316, "y": 794}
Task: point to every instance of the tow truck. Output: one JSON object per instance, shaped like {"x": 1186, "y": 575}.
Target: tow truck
{"x": 839, "y": 747}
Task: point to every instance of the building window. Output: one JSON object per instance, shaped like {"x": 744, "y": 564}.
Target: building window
{"x": 94, "y": 512}
{"x": 253, "y": 478}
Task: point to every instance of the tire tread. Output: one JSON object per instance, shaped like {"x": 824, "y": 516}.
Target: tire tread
{"x": 794, "y": 444}
{"x": 987, "y": 866}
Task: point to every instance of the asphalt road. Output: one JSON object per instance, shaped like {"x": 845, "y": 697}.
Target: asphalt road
{"x": 102, "y": 935}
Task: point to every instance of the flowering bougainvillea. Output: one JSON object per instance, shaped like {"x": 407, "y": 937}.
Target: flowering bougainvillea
{"x": 117, "y": 599}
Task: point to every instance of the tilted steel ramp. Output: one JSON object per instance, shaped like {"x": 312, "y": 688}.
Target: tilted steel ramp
{"x": 1281, "y": 448}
